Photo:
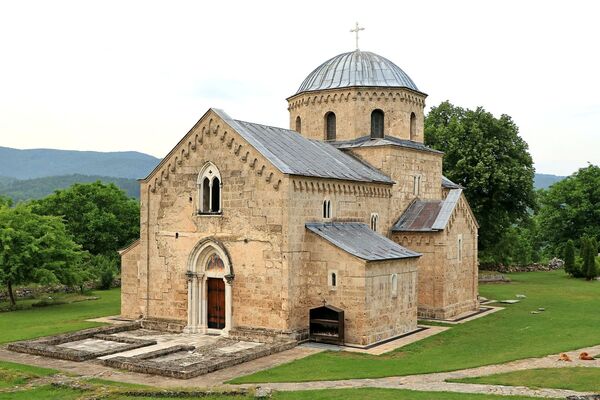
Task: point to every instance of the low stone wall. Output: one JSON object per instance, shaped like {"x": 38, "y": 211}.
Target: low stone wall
{"x": 163, "y": 325}
{"x": 261, "y": 335}
{"x": 147, "y": 363}
{"x": 554, "y": 264}
{"x": 49, "y": 346}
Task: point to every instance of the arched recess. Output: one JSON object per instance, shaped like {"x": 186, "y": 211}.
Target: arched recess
{"x": 209, "y": 189}
{"x": 413, "y": 126}
{"x": 209, "y": 281}
{"x": 298, "y": 124}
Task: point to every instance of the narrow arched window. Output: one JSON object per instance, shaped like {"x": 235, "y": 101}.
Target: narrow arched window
{"x": 413, "y": 126}
{"x": 330, "y": 126}
{"x": 374, "y": 221}
{"x": 333, "y": 279}
{"x": 298, "y": 124}
{"x": 205, "y": 195}
{"x": 209, "y": 188}
{"x": 377, "y": 119}
{"x": 215, "y": 205}
{"x": 326, "y": 208}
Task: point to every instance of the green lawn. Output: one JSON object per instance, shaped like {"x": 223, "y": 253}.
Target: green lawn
{"x": 386, "y": 394}
{"x": 581, "y": 379}
{"x": 571, "y": 321}
{"x": 43, "y": 321}
{"x": 109, "y": 390}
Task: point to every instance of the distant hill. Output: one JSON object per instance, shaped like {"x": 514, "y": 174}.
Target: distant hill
{"x": 20, "y": 190}
{"x": 37, "y": 163}
{"x": 543, "y": 181}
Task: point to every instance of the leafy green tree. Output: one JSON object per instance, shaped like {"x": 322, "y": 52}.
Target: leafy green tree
{"x": 5, "y": 202}
{"x": 488, "y": 157}
{"x": 36, "y": 248}
{"x": 100, "y": 216}
{"x": 569, "y": 257}
{"x": 570, "y": 209}
{"x": 590, "y": 270}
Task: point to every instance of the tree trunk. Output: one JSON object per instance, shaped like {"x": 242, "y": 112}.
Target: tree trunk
{"x": 11, "y": 295}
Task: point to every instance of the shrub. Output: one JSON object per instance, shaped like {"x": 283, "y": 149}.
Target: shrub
{"x": 570, "y": 257}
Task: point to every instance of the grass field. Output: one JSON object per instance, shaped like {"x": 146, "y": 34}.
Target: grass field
{"x": 35, "y": 322}
{"x": 13, "y": 377}
{"x": 576, "y": 378}
{"x": 570, "y": 321}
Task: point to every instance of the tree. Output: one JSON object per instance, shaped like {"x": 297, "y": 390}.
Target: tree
{"x": 100, "y": 216}
{"x": 570, "y": 209}
{"x": 487, "y": 156}
{"x": 570, "y": 257}
{"x": 5, "y": 202}
{"x": 36, "y": 248}
{"x": 589, "y": 263}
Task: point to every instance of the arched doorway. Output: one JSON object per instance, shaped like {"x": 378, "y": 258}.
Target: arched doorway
{"x": 210, "y": 278}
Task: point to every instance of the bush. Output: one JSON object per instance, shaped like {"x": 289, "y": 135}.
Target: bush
{"x": 105, "y": 268}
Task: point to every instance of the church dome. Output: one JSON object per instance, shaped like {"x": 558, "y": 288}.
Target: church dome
{"x": 356, "y": 68}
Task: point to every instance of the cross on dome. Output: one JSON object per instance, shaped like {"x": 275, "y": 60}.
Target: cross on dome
{"x": 356, "y": 30}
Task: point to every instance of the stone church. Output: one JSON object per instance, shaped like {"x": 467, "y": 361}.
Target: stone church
{"x": 246, "y": 228}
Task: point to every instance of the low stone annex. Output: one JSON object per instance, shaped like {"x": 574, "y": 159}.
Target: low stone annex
{"x": 341, "y": 228}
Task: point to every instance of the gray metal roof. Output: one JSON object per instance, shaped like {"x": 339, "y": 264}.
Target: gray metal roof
{"x": 428, "y": 216}
{"x": 448, "y": 184}
{"x": 356, "y": 68}
{"x": 366, "y": 141}
{"x": 294, "y": 154}
{"x": 359, "y": 240}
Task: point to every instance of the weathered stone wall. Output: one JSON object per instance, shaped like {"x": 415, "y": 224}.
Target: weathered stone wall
{"x": 390, "y": 314}
{"x": 250, "y": 227}
{"x": 350, "y": 201}
{"x": 130, "y": 283}
{"x": 353, "y": 108}
{"x": 447, "y": 285}
{"x": 402, "y": 165}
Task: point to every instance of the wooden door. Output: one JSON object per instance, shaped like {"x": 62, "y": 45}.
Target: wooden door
{"x": 216, "y": 303}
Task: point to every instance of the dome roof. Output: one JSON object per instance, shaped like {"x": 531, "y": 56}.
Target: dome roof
{"x": 356, "y": 68}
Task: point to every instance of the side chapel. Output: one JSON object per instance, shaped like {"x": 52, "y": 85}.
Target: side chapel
{"x": 245, "y": 228}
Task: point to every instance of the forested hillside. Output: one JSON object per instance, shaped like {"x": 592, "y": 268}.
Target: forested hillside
{"x": 20, "y": 190}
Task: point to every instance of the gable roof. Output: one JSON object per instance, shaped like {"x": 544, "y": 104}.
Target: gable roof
{"x": 367, "y": 141}
{"x": 448, "y": 184}
{"x": 294, "y": 154}
{"x": 428, "y": 216}
{"x": 359, "y": 240}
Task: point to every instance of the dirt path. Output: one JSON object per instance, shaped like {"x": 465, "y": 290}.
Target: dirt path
{"x": 425, "y": 382}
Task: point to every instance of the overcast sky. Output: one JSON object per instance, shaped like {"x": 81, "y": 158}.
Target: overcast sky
{"x": 129, "y": 75}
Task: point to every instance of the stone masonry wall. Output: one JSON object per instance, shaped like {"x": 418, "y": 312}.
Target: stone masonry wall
{"x": 250, "y": 227}
{"x": 448, "y": 286}
{"x": 390, "y": 314}
{"x": 402, "y": 165}
{"x": 350, "y": 202}
{"x": 353, "y": 108}
{"x": 130, "y": 283}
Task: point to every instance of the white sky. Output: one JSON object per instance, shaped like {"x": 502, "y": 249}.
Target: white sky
{"x": 129, "y": 75}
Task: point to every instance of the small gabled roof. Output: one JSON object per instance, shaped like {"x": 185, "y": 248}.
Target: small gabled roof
{"x": 361, "y": 241}
{"x": 294, "y": 154}
{"x": 428, "y": 216}
{"x": 367, "y": 141}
